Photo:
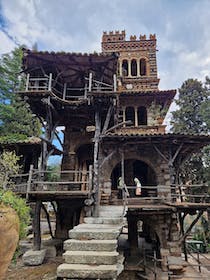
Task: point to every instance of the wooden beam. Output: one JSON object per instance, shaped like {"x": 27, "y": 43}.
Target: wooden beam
{"x": 200, "y": 213}
{"x": 160, "y": 153}
{"x": 108, "y": 117}
{"x": 48, "y": 219}
{"x": 177, "y": 152}
{"x": 96, "y": 163}
{"x": 36, "y": 226}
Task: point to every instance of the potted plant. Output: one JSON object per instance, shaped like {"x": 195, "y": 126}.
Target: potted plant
{"x": 157, "y": 112}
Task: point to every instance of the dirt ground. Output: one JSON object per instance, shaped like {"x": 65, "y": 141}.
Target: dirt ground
{"x": 46, "y": 271}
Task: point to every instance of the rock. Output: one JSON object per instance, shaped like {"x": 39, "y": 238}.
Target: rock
{"x": 24, "y": 246}
{"x": 50, "y": 252}
{"x": 31, "y": 257}
{"x": 9, "y": 234}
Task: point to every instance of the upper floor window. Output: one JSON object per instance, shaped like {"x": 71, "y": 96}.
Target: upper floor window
{"x": 130, "y": 114}
{"x": 143, "y": 67}
{"x": 142, "y": 116}
{"x": 125, "y": 68}
{"x": 133, "y": 67}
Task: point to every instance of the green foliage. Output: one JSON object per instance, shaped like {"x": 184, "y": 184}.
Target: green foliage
{"x": 157, "y": 110}
{"x": 19, "y": 205}
{"x": 15, "y": 114}
{"x": 189, "y": 118}
{"x": 8, "y": 166}
{"x": 203, "y": 234}
{"x": 192, "y": 117}
{"x": 13, "y": 138}
{"x": 53, "y": 173}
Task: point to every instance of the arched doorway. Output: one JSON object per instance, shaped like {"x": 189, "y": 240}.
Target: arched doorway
{"x": 135, "y": 169}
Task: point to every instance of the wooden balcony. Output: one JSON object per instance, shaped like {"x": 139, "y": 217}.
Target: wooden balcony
{"x": 62, "y": 185}
{"x": 63, "y": 92}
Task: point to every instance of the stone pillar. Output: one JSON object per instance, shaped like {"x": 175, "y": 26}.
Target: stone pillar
{"x": 138, "y": 67}
{"x": 136, "y": 116}
{"x": 124, "y": 118}
{"x": 133, "y": 234}
{"x": 129, "y": 68}
{"x": 120, "y": 68}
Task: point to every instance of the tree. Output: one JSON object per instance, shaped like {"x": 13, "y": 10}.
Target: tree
{"x": 15, "y": 115}
{"x": 189, "y": 118}
{"x": 192, "y": 117}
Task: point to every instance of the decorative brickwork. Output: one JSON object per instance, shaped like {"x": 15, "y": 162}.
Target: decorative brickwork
{"x": 137, "y": 66}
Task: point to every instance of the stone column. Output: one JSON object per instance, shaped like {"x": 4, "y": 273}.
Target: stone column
{"x": 136, "y": 116}
{"x": 129, "y": 68}
{"x": 138, "y": 67}
{"x": 120, "y": 68}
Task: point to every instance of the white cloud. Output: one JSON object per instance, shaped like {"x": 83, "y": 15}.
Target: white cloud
{"x": 6, "y": 44}
{"x": 72, "y": 25}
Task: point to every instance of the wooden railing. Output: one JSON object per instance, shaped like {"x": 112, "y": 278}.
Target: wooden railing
{"x": 172, "y": 194}
{"x": 63, "y": 91}
{"x": 193, "y": 193}
{"x": 41, "y": 181}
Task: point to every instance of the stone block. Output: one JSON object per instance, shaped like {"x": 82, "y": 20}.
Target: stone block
{"x": 87, "y": 271}
{"x": 91, "y": 257}
{"x": 90, "y": 245}
{"x": 51, "y": 252}
{"x": 33, "y": 258}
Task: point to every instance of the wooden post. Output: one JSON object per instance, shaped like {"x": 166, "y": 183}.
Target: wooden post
{"x": 50, "y": 82}
{"x": 90, "y": 178}
{"x": 29, "y": 181}
{"x": 36, "y": 226}
{"x": 95, "y": 163}
{"x": 48, "y": 220}
{"x": 85, "y": 93}
{"x": 90, "y": 81}
{"x": 27, "y": 81}
{"x": 64, "y": 91}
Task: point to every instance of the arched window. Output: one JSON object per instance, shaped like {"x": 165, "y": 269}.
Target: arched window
{"x": 142, "y": 116}
{"x": 133, "y": 67}
{"x": 143, "y": 67}
{"x": 125, "y": 68}
{"x": 130, "y": 115}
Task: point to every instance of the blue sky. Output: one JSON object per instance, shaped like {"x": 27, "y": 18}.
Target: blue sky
{"x": 181, "y": 26}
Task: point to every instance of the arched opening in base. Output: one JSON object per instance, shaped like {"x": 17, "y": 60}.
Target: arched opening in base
{"x": 135, "y": 169}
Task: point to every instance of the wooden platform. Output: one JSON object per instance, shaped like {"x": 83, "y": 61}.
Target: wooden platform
{"x": 54, "y": 195}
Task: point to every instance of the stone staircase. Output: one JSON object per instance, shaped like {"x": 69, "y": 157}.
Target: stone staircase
{"x": 91, "y": 251}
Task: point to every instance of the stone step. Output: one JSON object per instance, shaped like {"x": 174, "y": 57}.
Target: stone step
{"x": 90, "y": 245}
{"x": 95, "y": 226}
{"x": 109, "y": 214}
{"x": 111, "y": 208}
{"x": 91, "y": 233}
{"x": 104, "y": 220}
{"x": 87, "y": 271}
{"x": 91, "y": 257}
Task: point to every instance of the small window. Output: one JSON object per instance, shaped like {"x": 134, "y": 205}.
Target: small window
{"x": 130, "y": 115}
{"x": 133, "y": 67}
{"x": 125, "y": 68}
{"x": 143, "y": 68}
{"x": 142, "y": 116}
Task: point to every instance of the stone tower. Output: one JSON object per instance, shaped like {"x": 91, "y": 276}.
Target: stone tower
{"x": 137, "y": 66}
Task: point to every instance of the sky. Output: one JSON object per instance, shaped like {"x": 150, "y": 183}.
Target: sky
{"x": 181, "y": 27}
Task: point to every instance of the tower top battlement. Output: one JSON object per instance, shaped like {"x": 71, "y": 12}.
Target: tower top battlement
{"x": 115, "y": 41}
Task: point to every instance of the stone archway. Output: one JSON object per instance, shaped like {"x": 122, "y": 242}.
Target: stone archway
{"x": 135, "y": 168}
